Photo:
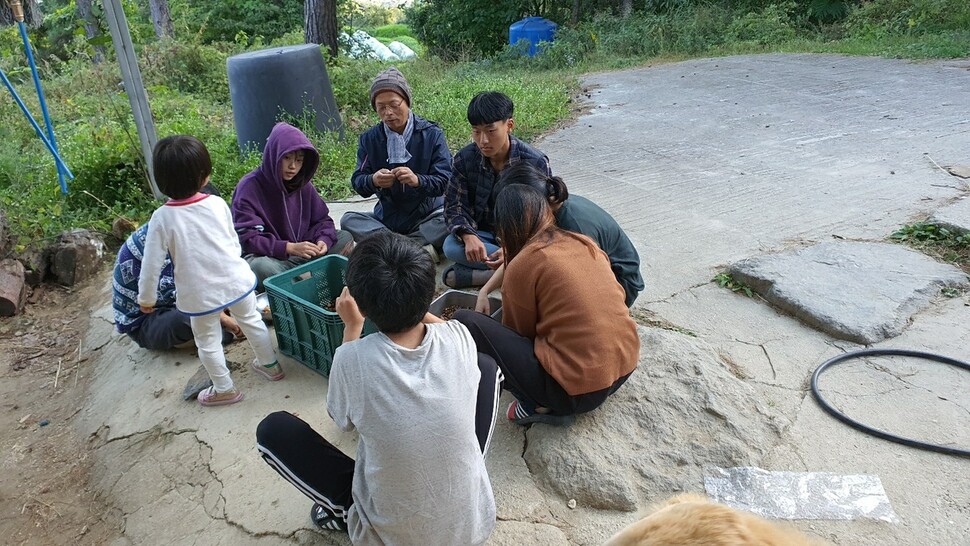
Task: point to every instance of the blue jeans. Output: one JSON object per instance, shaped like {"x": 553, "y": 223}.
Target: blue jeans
{"x": 454, "y": 249}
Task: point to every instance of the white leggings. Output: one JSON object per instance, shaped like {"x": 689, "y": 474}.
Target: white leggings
{"x": 208, "y": 339}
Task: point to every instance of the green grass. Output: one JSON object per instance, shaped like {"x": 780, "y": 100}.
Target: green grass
{"x": 188, "y": 91}
{"x": 936, "y": 241}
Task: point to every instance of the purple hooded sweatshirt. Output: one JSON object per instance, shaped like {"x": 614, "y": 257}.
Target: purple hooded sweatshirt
{"x": 266, "y": 216}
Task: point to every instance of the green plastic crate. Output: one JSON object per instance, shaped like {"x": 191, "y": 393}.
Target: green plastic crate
{"x": 305, "y": 330}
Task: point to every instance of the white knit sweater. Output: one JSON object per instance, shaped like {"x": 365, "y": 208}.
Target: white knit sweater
{"x": 210, "y": 273}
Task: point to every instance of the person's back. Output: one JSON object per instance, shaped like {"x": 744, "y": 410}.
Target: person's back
{"x": 581, "y": 215}
{"x": 560, "y": 291}
{"x": 420, "y": 476}
{"x": 423, "y": 401}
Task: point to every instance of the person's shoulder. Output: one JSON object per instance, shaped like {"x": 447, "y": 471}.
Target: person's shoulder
{"x": 422, "y": 124}
{"x": 527, "y": 152}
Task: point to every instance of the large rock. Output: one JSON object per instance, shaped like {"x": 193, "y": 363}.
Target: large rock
{"x": 955, "y": 217}
{"x": 37, "y": 263}
{"x": 75, "y": 256}
{"x": 13, "y": 290}
{"x": 861, "y": 292}
{"x": 681, "y": 410}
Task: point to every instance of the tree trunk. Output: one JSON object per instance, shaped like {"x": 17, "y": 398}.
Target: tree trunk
{"x": 320, "y": 23}
{"x": 90, "y": 27}
{"x": 626, "y": 8}
{"x": 161, "y": 18}
{"x": 574, "y": 17}
{"x": 32, "y": 14}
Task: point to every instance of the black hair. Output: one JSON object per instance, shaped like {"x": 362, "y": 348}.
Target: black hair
{"x": 525, "y": 173}
{"x": 393, "y": 280}
{"x": 489, "y": 107}
{"x": 521, "y": 213}
{"x": 180, "y": 164}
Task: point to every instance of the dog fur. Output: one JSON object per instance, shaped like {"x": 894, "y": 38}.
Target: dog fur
{"x": 691, "y": 519}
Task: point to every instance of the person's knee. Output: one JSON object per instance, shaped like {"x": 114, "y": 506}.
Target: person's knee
{"x": 274, "y": 429}
{"x": 265, "y": 267}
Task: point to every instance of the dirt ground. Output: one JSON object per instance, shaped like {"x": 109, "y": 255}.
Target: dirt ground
{"x": 44, "y": 493}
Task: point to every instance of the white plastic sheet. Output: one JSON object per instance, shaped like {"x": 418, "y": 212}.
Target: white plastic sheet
{"x": 800, "y": 495}
{"x": 402, "y": 50}
{"x": 363, "y": 45}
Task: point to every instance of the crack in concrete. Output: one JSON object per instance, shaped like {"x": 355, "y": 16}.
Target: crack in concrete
{"x": 679, "y": 292}
{"x": 774, "y": 374}
{"x": 771, "y": 364}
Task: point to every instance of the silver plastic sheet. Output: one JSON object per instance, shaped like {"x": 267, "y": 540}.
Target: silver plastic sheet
{"x": 800, "y": 495}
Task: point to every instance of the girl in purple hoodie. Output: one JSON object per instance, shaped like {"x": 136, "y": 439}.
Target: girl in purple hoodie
{"x": 281, "y": 220}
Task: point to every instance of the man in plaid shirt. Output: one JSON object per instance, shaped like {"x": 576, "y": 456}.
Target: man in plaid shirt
{"x": 469, "y": 198}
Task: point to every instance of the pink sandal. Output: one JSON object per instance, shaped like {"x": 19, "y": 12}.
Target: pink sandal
{"x": 209, "y": 397}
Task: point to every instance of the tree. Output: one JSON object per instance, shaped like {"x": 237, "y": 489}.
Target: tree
{"x": 320, "y": 23}
{"x": 161, "y": 18}
{"x": 91, "y": 29}
{"x": 32, "y": 14}
{"x": 626, "y": 8}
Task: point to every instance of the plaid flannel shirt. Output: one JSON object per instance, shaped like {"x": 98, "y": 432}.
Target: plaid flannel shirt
{"x": 468, "y": 197}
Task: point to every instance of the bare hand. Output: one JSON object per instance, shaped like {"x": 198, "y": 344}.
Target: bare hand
{"x": 230, "y": 325}
{"x": 406, "y": 176}
{"x": 147, "y": 310}
{"x": 348, "y": 312}
{"x": 482, "y": 305}
{"x": 322, "y": 248}
{"x": 384, "y": 178}
{"x": 302, "y": 249}
{"x": 496, "y": 259}
{"x": 474, "y": 248}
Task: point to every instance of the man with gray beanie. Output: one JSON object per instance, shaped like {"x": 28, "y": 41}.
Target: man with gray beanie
{"x": 405, "y": 161}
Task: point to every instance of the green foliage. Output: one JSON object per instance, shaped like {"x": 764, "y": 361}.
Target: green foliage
{"x": 188, "y": 67}
{"x": 223, "y": 20}
{"x": 882, "y": 18}
{"x": 450, "y": 29}
{"x": 391, "y": 31}
{"x": 726, "y": 280}
{"x": 771, "y": 25}
{"x": 371, "y": 16}
{"x": 936, "y": 241}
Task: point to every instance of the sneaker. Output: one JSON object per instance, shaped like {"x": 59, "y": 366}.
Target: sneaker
{"x": 326, "y": 520}
{"x": 273, "y": 372}
{"x": 522, "y": 413}
{"x": 209, "y": 397}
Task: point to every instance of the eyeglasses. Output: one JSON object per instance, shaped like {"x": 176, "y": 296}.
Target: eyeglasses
{"x": 393, "y": 105}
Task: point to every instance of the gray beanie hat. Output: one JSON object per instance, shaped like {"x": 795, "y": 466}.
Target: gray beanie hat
{"x": 390, "y": 80}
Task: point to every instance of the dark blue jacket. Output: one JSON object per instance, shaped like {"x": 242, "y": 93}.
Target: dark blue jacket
{"x": 401, "y": 207}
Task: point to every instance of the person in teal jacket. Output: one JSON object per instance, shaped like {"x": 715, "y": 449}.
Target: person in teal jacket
{"x": 578, "y": 214}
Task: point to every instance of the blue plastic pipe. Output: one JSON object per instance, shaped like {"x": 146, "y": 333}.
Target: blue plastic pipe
{"x": 43, "y": 107}
{"x": 40, "y": 132}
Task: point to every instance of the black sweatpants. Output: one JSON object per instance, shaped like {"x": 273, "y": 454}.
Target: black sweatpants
{"x": 322, "y": 472}
{"x": 525, "y": 377}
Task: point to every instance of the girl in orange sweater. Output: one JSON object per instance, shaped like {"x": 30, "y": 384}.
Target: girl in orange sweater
{"x": 567, "y": 341}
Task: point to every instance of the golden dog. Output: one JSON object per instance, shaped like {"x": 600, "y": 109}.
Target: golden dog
{"x": 692, "y": 519}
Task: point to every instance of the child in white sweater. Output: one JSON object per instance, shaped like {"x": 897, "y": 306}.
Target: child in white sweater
{"x": 210, "y": 275}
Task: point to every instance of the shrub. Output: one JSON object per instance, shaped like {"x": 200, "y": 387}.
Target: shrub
{"x": 187, "y": 67}
{"x": 771, "y": 25}
{"x": 881, "y": 18}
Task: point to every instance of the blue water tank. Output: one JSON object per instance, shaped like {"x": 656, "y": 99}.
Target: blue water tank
{"x": 533, "y": 30}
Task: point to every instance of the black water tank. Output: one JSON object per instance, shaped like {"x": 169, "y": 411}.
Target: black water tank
{"x": 290, "y": 79}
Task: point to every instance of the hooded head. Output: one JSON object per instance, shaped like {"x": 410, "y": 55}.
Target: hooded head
{"x": 285, "y": 139}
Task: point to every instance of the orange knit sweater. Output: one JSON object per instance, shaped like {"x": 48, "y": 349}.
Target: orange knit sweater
{"x": 562, "y": 293}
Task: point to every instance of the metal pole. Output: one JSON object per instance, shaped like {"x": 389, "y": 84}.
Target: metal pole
{"x": 121, "y": 37}
{"x": 40, "y": 133}
{"x": 40, "y": 97}
{"x": 18, "y": 14}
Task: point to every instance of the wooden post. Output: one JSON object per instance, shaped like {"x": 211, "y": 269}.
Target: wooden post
{"x": 131, "y": 75}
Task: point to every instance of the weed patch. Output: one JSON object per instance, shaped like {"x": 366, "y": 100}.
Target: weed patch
{"x": 726, "y": 280}
{"x": 936, "y": 241}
